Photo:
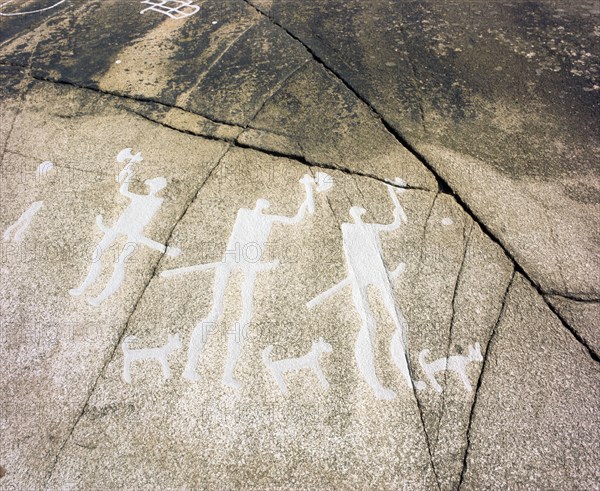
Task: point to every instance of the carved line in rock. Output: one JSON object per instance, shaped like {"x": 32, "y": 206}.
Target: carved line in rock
{"x": 27, "y": 12}
{"x": 16, "y": 231}
{"x": 130, "y": 224}
{"x": 251, "y": 231}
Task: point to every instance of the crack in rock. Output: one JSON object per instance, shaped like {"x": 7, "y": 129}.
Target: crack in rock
{"x": 481, "y": 375}
{"x": 235, "y": 141}
{"x": 466, "y": 241}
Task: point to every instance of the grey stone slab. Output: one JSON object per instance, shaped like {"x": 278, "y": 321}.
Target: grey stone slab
{"x": 502, "y": 100}
{"x": 455, "y": 304}
{"x": 192, "y": 434}
{"x": 242, "y": 70}
{"x": 536, "y": 417}
{"x": 55, "y": 345}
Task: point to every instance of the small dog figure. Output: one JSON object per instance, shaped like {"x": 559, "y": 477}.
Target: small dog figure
{"x": 310, "y": 360}
{"x": 456, "y": 363}
{"x": 161, "y": 354}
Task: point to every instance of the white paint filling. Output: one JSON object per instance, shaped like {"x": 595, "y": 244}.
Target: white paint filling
{"x": 131, "y": 224}
{"x": 309, "y": 361}
{"x": 365, "y": 266}
{"x": 456, "y": 363}
{"x": 251, "y": 232}
{"x": 159, "y": 354}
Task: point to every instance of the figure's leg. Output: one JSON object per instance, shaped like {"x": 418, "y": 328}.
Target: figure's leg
{"x": 205, "y": 326}
{"x": 278, "y": 376}
{"x": 117, "y": 277}
{"x": 465, "y": 380}
{"x": 166, "y": 369}
{"x": 321, "y": 376}
{"x": 398, "y": 344}
{"x": 127, "y": 370}
{"x": 9, "y": 230}
{"x": 434, "y": 383}
{"x": 23, "y": 222}
{"x": 235, "y": 338}
{"x": 96, "y": 266}
{"x": 364, "y": 349}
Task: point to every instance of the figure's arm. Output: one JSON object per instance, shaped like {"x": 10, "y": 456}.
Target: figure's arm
{"x": 328, "y": 293}
{"x": 124, "y": 177}
{"x": 307, "y": 204}
{"x": 399, "y": 215}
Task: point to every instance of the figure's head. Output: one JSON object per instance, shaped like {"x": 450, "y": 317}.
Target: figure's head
{"x": 356, "y": 212}
{"x": 262, "y": 204}
{"x": 156, "y": 184}
{"x": 475, "y": 353}
{"x": 174, "y": 341}
{"x": 323, "y": 346}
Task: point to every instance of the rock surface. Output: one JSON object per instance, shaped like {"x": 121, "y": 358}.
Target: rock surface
{"x": 437, "y": 162}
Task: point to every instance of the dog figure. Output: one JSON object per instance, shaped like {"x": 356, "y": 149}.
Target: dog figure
{"x": 309, "y": 360}
{"x": 455, "y": 363}
{"x": 161, "y": 354}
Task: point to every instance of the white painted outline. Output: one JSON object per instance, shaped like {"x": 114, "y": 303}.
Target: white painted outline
{"x": 160, "y": 354}
{"x": 252, "y": 227}
{"x": 365, "y": 266}
{"x": 310, "y": 360}
{"x": 455, "y": 363}
{"x": 29, "y": 12}
{"x": 160, "y": 6}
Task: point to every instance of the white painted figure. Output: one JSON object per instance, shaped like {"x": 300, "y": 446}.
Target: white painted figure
{"x": 311, "y": 360}
{"x": 36, "y": 11}
{"x": 159, "y": 354}
{"x": 16, "y": 230}
{"x": 130, "y": 224}
{"x": 364, "y": 261}
{"x": 456, "y": 363}
{"x": 176, "y": 9}
{"x": 250, "y": 232}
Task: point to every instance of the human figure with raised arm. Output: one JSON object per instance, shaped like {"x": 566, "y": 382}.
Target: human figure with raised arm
{"x": 130, "y": 224}
{"x": 362, "y": 250}
{"x": 250, "y": 232}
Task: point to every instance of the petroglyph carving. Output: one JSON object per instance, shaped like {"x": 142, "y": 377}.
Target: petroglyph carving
{"x": 159, "y": 354}
{"x": 16, "y": 231}
{"x": 310, "y": 361}
{"x": 364, "y": 262}
{"x": 130, "y": 224}
{"x": 251, "y": 230}
{"x": 456, "y": 363}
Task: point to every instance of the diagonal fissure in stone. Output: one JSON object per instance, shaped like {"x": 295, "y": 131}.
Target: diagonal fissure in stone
{"x": 484, "y": 364}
